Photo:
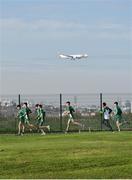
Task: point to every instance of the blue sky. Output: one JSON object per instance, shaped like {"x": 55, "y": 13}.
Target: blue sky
{"x": 33, "y": 32}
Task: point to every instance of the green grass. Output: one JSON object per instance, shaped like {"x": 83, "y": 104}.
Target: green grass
{"x": 85, "y": 155}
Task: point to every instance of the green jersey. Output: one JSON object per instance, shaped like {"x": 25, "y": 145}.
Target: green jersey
{"x": 40, "y": 114}
{"x": 21, "y": 115}
{"x": 28, "y": 111}
{"x": 71, "y": 110}
{"x": 118, "y": 113}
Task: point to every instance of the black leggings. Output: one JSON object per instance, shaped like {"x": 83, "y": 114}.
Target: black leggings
{"x": 107, "y": 123}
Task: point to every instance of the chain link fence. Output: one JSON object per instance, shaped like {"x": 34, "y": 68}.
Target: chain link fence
{"x": 87, "y": 107}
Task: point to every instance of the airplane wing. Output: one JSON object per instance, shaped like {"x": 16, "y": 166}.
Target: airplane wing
{"x": 65, "y": 56}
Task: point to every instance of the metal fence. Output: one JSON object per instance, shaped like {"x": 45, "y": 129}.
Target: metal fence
{"x": 87, "y": 108}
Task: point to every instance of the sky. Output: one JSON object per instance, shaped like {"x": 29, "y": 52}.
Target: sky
{"x": 34, "y": 32}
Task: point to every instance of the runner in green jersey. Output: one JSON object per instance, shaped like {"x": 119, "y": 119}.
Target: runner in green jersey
{"x": 70, "y": 112}
{"x": 41, "y": 119}
{"x": 118, "y": 116}
{"x": 27, "y": 111}
{"x": 21, "y": 116}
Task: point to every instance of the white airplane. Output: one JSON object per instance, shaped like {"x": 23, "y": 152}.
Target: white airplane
{"x": 73, "y": 57}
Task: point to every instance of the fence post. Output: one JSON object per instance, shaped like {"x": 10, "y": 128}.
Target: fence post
{"x": 19, "y": 99}
{"x": 101, "y": 115}
{"x": 60, "y": 112}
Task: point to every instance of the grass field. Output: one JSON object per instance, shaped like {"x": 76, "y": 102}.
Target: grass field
{"x": 85, "y": 155}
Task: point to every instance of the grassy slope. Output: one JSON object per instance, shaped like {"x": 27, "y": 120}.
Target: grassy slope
{"x": 86, "y": 155}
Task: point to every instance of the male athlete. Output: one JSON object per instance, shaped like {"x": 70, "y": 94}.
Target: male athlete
{"x": 118, "y": 116}
{"x": 21, "y": 116}
{"x": 106, "y": 113}
{"x": 27, "y": 111}
{"x": 41, "y": 119}
{"x": 70, "y": 112}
